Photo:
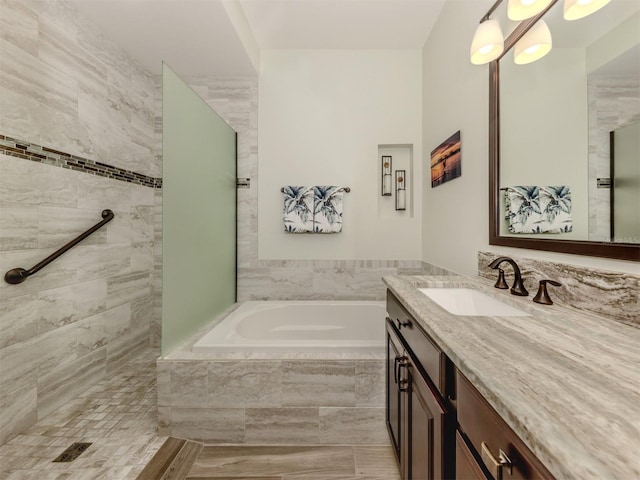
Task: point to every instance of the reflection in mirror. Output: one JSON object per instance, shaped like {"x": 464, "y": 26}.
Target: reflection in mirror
{"x": 625, "y": 184}
{"x": 556, "y": 119}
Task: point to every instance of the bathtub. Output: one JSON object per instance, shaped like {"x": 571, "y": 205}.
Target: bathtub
{"x": 299, "y": 326}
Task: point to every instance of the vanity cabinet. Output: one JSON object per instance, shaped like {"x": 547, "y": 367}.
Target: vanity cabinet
{"x": 420, "y": 423}
{"x": 440, "y": 426}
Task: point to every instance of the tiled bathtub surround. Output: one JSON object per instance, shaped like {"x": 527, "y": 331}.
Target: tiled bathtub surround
{"x": 66, "y": 87}
{"x": 311, "y": 401}
{"x": 610, "y": 294}
{"x": 272, "y": 398}
{"x": 37, "y": 153}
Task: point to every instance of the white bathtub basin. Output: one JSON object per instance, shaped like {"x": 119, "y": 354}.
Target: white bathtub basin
{"x": 471, "y": 302}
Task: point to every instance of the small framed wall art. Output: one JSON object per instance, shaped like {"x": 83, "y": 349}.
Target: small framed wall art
{"x": 446, "y": 161}
{"x": 386, "y": 175}
{"x": 401, "y": 190}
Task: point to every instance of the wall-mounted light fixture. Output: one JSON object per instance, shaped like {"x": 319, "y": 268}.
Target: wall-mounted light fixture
{"x": 575, "y": 9}
{"x": 386, "y": 175}
{"x": 522, "y": 9}
{"x": 401, "y": 190}
{"x": 534, "y": 44}
{"x": 488, "y": 42}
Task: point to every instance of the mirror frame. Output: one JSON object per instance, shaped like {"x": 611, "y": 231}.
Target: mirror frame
{"x": 620, "y": 251}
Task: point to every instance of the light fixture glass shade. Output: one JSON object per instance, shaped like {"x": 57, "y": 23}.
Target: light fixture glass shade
{"x": 488, "y": 42}
{"x": 534, "y": 45}
{"x": 575, "y": 9}
{"x": 522, "y": 9}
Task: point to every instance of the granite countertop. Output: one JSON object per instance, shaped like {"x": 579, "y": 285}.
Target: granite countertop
{"x": 567, "y": 382}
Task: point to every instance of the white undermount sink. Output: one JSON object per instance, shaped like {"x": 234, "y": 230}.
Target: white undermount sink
{"x": 471, "y": 302}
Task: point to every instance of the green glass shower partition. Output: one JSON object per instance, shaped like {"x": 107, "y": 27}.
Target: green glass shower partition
{"x": 198, "y": 212}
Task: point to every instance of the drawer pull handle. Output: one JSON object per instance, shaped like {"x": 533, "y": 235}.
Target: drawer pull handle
{"x": 495, "y": 466}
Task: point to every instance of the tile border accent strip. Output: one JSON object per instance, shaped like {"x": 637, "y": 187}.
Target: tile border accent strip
{"x": 49, "y": 156}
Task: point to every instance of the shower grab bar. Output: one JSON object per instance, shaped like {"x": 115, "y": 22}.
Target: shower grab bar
{"x": 19, "y": 275}
{"x": 346, "y": 189}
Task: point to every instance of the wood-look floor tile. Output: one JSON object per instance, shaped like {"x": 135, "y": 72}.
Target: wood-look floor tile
{"x": 234, "y": 478}
{"x": 183, "y": 461}
{"x": 162, "y": 459}
{"x": 227, "y": 461}
{"x": 337, "y": 477}
{"x": 374, "y": 460}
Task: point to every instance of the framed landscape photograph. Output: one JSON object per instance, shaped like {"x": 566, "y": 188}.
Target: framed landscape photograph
{"x": 446, "y": 161}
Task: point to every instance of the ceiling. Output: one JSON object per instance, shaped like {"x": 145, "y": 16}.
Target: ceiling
{"x": 197, "y": 37}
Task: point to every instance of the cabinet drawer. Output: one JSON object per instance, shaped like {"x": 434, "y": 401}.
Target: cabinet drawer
{"x": 467, "y": 467}
{"x": 432, "y": 359}
{"x": 489, "y": 435}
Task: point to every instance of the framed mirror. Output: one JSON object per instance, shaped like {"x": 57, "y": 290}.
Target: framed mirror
{"x": 569, "y": 123}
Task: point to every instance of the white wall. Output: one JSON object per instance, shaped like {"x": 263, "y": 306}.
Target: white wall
{"x": 456, "y": 96}
{"x": 322, "y": 115}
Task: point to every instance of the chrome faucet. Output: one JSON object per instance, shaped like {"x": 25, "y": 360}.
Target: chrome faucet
{"x": 518, "y": 286}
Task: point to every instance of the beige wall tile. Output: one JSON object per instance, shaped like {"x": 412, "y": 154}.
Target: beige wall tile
{"x": 353, "y": 426}
{"x": 18, "y": 226}
{"x": 370, "y": 383}
{"x": 18, "y": 319}
{"x": 245, "y": 383}
{"x": 17, "y": 410}
{"x": 282, "y": 425}
{"x": 209, "y": 424}
{"x": 318, "y": 383}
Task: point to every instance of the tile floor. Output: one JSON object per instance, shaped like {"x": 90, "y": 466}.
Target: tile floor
{"x": 294, "y": 463}
{"x": 118, "y": 416}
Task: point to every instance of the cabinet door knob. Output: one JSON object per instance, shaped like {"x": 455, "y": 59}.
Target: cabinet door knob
{"x": 406, "y": 323}
{"x": 493, "y": 464}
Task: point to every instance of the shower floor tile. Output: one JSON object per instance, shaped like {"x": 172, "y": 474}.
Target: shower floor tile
{"x": 117, "y": 416}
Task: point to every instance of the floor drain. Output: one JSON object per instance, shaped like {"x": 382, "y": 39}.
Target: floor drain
{"x": 72, "y": 452}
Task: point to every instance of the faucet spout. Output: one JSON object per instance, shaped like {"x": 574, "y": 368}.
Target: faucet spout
{"x": 518, "y": 286}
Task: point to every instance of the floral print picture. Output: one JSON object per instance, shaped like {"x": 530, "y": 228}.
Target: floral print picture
{"x": 533, "y": 209}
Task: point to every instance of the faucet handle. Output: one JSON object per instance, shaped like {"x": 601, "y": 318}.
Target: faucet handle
{"x": 501, "y": 282}
{"x": 543, "y": 296}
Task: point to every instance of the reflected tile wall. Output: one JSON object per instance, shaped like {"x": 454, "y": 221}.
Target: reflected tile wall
{"x": 66, "y": 87}
{"x": 613, "y": 102}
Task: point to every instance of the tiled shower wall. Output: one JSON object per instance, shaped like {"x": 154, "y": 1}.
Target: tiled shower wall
{"x": 65, "y": 87}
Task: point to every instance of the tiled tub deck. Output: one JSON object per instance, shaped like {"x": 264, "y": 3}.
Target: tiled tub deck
{"x": 272, "y": 398}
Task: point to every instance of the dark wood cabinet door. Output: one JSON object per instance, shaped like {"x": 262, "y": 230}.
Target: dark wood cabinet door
{"x": 395, "y": 354}
{"x": 429, "y": 448}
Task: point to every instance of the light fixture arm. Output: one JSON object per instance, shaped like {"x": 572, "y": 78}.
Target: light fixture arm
{"x": 491, "y": 10}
